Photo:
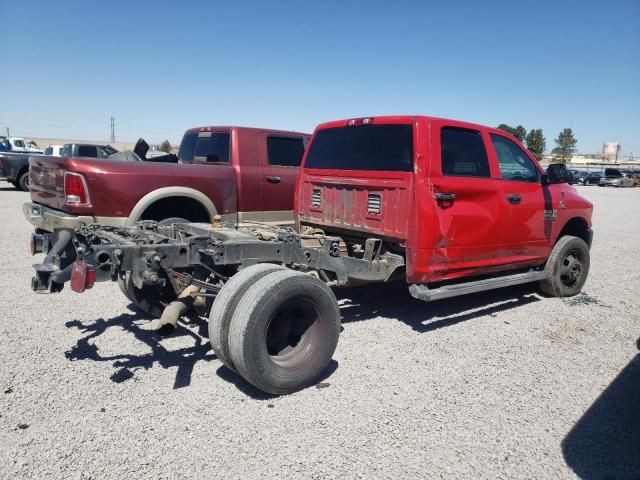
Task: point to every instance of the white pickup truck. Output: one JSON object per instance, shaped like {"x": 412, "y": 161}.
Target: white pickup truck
{"x": 19, "y": 145}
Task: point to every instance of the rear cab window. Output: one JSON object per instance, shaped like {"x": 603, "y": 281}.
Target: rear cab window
{"x": 384, "y": 147}
{"x": 205, "y": 147}
{"x": 87, "y": 151}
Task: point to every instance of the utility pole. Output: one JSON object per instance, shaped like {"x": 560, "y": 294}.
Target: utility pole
{"x": 113, "y": 130}
{"x": 8, "y": 133}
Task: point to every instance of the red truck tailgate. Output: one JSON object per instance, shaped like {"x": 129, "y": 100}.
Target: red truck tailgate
{"x": 370, "y": 202}
{"x": 46, "y": 177}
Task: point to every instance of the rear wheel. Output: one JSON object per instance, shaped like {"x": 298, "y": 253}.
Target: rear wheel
{"x": 152, "y": 299}
{"x": 569, "y": 266}
{"x": 23, "y": 182}
{"x": 226, "y": 303}
{"x": 284, "y": 332}
{"x": 145, "y": 298}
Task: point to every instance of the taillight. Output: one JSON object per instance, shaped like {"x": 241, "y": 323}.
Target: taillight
{"x": 83, "y": 277}
{"x": 75, "y": 190}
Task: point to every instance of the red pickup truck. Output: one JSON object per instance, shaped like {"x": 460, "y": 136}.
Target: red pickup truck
{"x": 448, "y": 207}
{"x": 241, "y": 174}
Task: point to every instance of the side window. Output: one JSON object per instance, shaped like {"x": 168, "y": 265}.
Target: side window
{"x": 48, "y": 151}
{"x": 285, "y": 151}
{"x": 514, "y": 163}
{"x": 212, "y": 147}
{"x": 87, "y": 151}
{"x": 463, "y": 153}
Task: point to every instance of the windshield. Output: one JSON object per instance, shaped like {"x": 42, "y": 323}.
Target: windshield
{"x": 364, "y": 147}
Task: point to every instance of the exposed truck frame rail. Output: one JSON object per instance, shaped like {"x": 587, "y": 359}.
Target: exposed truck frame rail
{"x": 149, "y": 250}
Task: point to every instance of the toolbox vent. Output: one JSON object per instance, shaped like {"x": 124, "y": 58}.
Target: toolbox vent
{"x": 316, "y": 197}
{"x": 374, "y": 203}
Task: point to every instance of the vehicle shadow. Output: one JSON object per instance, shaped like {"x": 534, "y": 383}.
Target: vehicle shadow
{"x": 394, "y": 301}
{"x": 125, "y": 364}
{"x": 10, "y": 188}
{"x": 605, "y": 442}
{"x": 356, "y": 304}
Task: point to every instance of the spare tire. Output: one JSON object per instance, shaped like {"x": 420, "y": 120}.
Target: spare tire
{"x": 284, "y": 332}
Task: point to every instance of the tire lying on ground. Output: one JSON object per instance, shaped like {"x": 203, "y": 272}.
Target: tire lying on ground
{"x": 150, "y": 299}
{"x": 569, "y": 266}
{"x": 226, "y": 303}
{"x": 284, "y": 332}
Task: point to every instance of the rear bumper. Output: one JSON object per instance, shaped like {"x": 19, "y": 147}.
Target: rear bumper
{"x": 49, "y": 219}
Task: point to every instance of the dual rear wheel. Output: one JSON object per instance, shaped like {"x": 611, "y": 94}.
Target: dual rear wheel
{"x": 275, "y": 327}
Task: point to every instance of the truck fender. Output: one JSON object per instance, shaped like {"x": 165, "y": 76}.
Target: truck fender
{"x": 165, "y": 192}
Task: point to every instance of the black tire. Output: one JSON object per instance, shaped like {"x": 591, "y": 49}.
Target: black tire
{"x": 569, "y": 266}
{"x": 23, "y": 182}
{"x": 152, "y": 299}
{"x": 225, "y": 305}
{"x": 284, "y": 332}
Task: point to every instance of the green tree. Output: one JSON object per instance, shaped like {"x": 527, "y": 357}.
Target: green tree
{"x": 165, "y": 146}
{"x": 536, "y": 143}
{"x": 565, "y": 146}
{"x": 519, "y": 132}
{"x": 507, "y": 128}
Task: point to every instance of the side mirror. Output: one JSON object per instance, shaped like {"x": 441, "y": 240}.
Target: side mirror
{"x": 557, "y": 173}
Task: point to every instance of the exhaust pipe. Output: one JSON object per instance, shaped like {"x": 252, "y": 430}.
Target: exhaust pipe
{"x": 176, "y": 309}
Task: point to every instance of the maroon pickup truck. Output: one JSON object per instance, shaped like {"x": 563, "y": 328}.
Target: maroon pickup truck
{"x": 241, "y": 174}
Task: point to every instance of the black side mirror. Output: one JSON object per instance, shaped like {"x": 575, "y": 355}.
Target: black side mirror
{"x": 557, "y": 173}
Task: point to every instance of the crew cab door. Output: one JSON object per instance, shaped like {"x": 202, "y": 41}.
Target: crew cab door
{"x": 282, "y": 157}
{"x": 530, "y": 208}
{"x": 468, "y": 207}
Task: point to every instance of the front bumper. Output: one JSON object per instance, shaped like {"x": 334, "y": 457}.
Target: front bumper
{"x": 48, "y": 219}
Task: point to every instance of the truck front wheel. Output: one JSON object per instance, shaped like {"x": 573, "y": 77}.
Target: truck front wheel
{"x": 569, "y": 266}
{"x": 284, "y": 332}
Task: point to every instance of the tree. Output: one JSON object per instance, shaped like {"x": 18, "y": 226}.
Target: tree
{"x": 565, "y": 146}
{"x": 536, "y": 143}
{"x": 165, "y": 146}
{"x": 519, "y": 132}
{"x": 506, "y": 128}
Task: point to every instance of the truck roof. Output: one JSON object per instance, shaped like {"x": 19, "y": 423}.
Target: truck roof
{"x": 231, "y": 127}
{"x": 400, "y": 119}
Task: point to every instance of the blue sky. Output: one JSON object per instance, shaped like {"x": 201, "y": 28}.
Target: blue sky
{"x": 162, "y": 67}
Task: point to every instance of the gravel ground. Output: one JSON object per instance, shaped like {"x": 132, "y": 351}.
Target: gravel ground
{"x": 500, "y": 385}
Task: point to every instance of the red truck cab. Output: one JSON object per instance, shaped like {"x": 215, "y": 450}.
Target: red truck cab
{"x": 456, "y": 198}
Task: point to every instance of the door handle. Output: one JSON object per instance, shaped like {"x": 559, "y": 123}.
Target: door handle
{"x": 445, "y": 197}
{"x": 273, "y": 179}
{"x": 514, "y": 198}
